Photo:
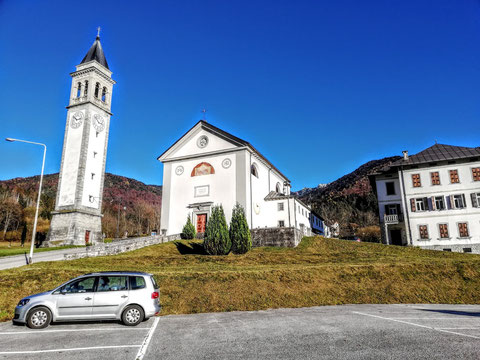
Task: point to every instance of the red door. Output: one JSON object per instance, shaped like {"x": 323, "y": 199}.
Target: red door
{"x": 87, "y": 236}
{"x": 201, "y": 222}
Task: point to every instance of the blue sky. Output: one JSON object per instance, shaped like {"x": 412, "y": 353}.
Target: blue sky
{"x": 319, "y": 87}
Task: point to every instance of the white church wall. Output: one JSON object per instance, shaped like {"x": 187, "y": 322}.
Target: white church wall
{"x": 218, "y": 188}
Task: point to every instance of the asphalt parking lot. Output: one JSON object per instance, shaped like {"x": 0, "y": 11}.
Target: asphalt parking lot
{"x": 329, "y": 332}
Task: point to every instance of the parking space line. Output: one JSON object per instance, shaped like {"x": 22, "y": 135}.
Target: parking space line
{"x": 143, "y": 348}
{"x": 418, "y": 325}
{"x": 67, "y": 349}
{"x": 35, "y": 332}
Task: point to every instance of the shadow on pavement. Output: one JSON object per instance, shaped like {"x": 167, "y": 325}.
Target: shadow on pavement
{"x": 454, "y": 312}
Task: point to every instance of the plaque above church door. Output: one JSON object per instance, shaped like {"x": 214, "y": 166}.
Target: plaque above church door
{"x": 201, "y": 222}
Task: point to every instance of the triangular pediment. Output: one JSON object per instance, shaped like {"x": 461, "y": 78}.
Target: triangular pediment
{"x": 202, "y": 138}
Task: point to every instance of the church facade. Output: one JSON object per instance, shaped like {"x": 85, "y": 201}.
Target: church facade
{"x": 208, "y": 166}
{"x": 77, "y": 216}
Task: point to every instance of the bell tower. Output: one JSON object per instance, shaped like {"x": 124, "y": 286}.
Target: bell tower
{"x": 77, "y": 216}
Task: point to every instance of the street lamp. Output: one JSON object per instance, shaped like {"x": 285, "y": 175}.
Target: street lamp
{"x": 30, "y": 258}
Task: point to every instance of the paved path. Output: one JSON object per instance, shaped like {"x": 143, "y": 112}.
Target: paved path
{"x": 329, "y": 332}
{"x": 8, "y": 262}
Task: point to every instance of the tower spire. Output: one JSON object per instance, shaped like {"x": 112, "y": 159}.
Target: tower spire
{"x": 98, "y": 32}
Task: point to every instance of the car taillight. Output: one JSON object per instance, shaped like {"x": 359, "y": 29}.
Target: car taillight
{"x": 155, "y": 295}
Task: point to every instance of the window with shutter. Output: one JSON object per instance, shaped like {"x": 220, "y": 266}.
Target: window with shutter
{"x": 416, "y": 180}
{"x": 423, "y": 229}
{"x": 439, "y": 203}
{"x": 443, "y": 231}
{"x": 463, "y": 229}
{"x": 435, "y": 178}
{"x": 421, "y": 204}
{"x": 459, "y": 201}
{"x": 454, "y": 177}
{"x": 476, "y": 174}
{"x": 475, "y": 199}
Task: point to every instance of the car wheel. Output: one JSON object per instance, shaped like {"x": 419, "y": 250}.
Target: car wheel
{"x": 132, "y": 315}
{"x": 39, "y": 318}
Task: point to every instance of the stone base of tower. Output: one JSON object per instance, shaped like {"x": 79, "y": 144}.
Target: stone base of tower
{"x": 74, "y": 228}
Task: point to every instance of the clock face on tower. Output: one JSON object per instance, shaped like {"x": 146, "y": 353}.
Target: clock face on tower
{"x": 98, "y": 122}
{"x": 76, "y": 120}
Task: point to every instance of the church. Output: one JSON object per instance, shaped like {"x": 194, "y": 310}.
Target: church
{"x": 208, "y": 166}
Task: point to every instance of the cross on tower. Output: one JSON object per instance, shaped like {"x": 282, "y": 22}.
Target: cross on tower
{"x": 98, "y": 31}
{"x": 204, "y": 111}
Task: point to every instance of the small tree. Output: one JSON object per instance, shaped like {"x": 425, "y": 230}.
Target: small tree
{"x": 239, "y": 231}
{"x": 188, "y": 231}
{"x": 217, "y": 240}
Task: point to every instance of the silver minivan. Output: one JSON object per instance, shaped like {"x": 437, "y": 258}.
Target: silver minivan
{"x": 127, "y": 296}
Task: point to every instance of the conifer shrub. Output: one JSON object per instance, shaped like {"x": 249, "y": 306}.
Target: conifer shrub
{"x": 217, "y": 240}
{"x": 188, "y": 231}
{"x": 239, "y": 232}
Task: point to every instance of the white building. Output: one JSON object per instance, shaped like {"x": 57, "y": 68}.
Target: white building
{"x": 77, "y": 218}
{"x": 432, "y": 199}
{"x": 208, "y": 166}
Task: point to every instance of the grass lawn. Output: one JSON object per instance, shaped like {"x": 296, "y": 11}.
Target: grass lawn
{"x": 16, "y": 249}
{"x": 318, "y": 272}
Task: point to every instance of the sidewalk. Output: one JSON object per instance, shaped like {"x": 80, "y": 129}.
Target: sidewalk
{"x": 8, "y": 262}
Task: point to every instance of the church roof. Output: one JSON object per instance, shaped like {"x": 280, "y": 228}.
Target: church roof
{"x": 439, "y": 152}
{"x": 241, "y": 142}
{"x": 96, "y": 53}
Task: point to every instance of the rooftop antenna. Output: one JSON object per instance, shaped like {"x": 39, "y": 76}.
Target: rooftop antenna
{"x": 98, "y": 32}
{"x": 204, "y": 117}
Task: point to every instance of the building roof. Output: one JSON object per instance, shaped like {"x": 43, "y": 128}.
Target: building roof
{"x": 273, "y": 195}
{"x": 241, "y": 142}
{"x": 439, "y": 152}
{"x": 96, "y": 53}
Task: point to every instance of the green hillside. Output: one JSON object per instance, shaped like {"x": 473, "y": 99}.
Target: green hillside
{"x": 318, "y": 272}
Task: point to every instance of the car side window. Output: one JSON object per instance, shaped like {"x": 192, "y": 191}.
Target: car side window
{"x": 112, "y": 283}
{"x": 137, "y": 282}
{"x": 80, "y": 286}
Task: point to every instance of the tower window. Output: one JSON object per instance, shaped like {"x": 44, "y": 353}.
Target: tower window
{"x": 94, "y": 154}
{"x": 93, "y": 176}
{"x": 97, "y": 89}
{"x": 104, "y": 94}
{"x": 85, "y": 91}
{"x": 79, "y": 89}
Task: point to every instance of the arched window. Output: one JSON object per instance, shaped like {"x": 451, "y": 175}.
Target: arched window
{"x": 279, "y": 188}
{"x": 203, "y": 168}
{"x": 79, "y": 89}
{"x": 104, "y": 94}
{"x": 97, "y": 89}
{"x": 85, "y": 91}
{"x": 254, "y": 170}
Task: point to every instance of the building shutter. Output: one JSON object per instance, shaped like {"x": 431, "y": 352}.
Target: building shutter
{"x": 474, "y": 199}
{"x": 432, "y": 199}
{"x": 452, "y": 202}
{"x": 386, "y": 210}
{"x": 412, "y": 204}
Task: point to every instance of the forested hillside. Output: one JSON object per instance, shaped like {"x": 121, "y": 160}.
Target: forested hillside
{"x": 131, "y": 204}
{"x": 349, "y": 200}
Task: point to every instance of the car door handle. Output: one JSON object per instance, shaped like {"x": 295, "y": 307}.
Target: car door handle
{"x": 124, "y": 296}
{"x": 88, "y": 298}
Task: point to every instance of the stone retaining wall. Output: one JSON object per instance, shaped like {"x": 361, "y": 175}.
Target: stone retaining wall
{"x": 121, "y": 246}
{"x": 454, "y": 248}
{"x": 283, "y": 237}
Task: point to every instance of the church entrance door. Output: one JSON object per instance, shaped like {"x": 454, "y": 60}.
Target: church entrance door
{"x": 201, "y": 222}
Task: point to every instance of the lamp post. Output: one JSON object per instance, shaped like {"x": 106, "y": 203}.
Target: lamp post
{"x": 30, "y": 258}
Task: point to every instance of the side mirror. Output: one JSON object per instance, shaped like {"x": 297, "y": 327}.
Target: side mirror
{"x": 63, "y": 291}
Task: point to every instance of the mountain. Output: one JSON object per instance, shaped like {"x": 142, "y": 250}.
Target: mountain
{"x": 127, "y": 203}
{"x": 350, "y": 200}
